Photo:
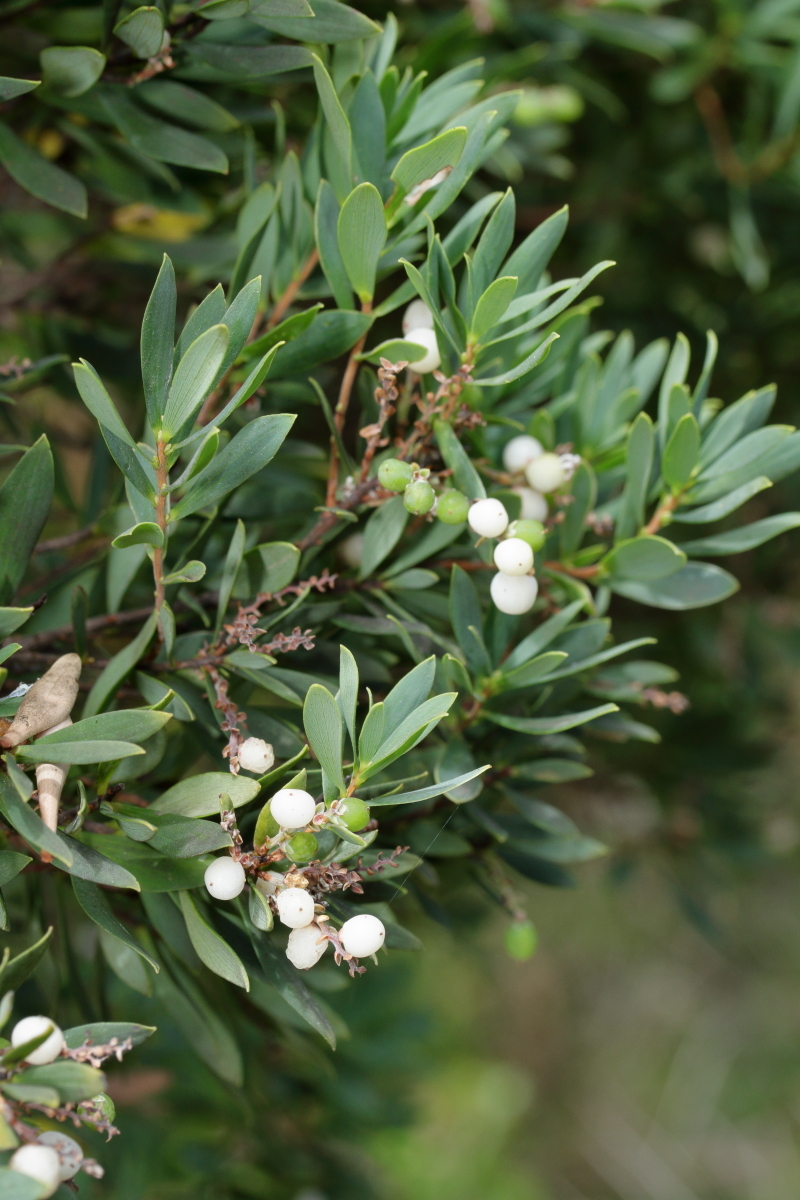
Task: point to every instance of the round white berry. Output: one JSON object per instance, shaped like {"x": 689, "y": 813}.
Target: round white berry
{"x": 351, "y": 550}
{"x": 40, "y": 1163}
{"x": 292, "y": 808}
{"x": 225, "y": 878}
{"x": 70, "y": 1155}
{"x": 488, "y": 518}
{"x": 513, "y": 556}
{"x": 520, "y": 451}
{"x": 256, "y": 755}
{"x": 362, "y": 935}
{"x": 533, "y": 506}
{"x": 306, "y": 947}
{"x": 295, "y": 907}
{"x": 32, "y": 1027}
{"x": 514, "y": 594}
{"x": 545, "y": 473}
{"x": 417, "y": 316}
{"x": 431, "y": 359}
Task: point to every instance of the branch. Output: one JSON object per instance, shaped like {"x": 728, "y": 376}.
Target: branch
{"x": 294, "y": 287}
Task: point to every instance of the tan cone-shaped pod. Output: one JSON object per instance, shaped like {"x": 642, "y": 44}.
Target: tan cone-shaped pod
{"x": 47, "y": 703}
{"x": 50, "y": 783}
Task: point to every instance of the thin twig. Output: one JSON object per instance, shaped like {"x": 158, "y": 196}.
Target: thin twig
{"x": 288, "y": 296}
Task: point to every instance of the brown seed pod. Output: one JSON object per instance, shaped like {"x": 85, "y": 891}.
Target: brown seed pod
{"x": 47, "y": 703}
{"x": 50, "y": 783}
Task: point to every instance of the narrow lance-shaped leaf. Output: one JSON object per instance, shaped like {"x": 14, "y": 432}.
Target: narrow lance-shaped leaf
{"x": 323, "y": 725}
{"x": 361, "y": 233}
{"x": 158, "y": 335}
{"x": 193, "y": 378}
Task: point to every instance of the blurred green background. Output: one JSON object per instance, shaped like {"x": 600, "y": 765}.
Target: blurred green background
{"x": 649, "y": 1050}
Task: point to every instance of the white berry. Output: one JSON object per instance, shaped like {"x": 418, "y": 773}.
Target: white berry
{"x": 295, "y": 907}
{"x": 417, "y": 316}
{"x": 351, "y": 550}
{"x": 306, "y": 947}
{"x": 533, "y": 506}
{"x": 545, "y": 473}
{"x": 432, "y": 358}
{"x": 514, "y": 594}
{"x": 520, "y": 451}
{"x": 488, "y": 518}
{"x": 292, "y": 808}
{"x": 32, "y": 1027}
{"x": 362, "y": 935}
{"x": 256, "y": 755}
{"x": 70, "y": 1155}
{"x": 225, "y": 878}
{"x": 513, "y": 556}
{"x": 40, "y": 1163}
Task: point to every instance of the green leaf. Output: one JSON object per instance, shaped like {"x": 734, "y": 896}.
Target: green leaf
{"x": 233, "y": 560}
{"x": 159, "y": 140}
{"x": 419, "y": 165}
{"x": 194, "y": 377}
{"x": 142, "y": 30}
{"x": 212, "y": 949}
{"x": 533, "y": 670}
{"x": 396, "y": 350}
{"x": 348, "y": 691}
{"x": 158, "y": 336}
{"x": 250, "y": 450}
{"x": 335, "y": 115}
{"x": 11, "y": 618}
{"x": 332, "y": 22}
{"x": 186, "y": 104}
{"x": 126, "y": 964}
{"x": 145, "y": 533}
{"x": 91, "y": 864}
{"x": 192, "y": 572}
{"x": 326, "y": 220}
{"x": 240, "y": 63}
{"x": 643, "y": 559}
{"x": 11, "y": 863}
{"x": 491, "y": 306}
{"x": 94, "y": 903}
{"x": 25, "y": 500}
{"x": 29, "y": 826}
{"x": 584, "y": 497}
{"x": 154, "y": 872}
{"x": 747, "y": 537}
{"x": 18, "y": 1187}
{"x": 434, "y": 789}
{"x": 199, "y": 795}
{"x": 527, "y": 364}
{"x": 79, "y": 752}
{"x": 639, "y": 457}
{"x": 204, "y": 1031}
{"x": 552, "y": 770}
{"x": 184, "y": 837}
{"x": 14, "y": 971}
{"x": 467, "y": 621}
{"x": 258, "y": 909}
{"x": 465, "y": 477}
{"x": 71, "y": 70}
{"x": 681, "y": 453}
{"x": 382, "y": 532}
{"x": 100, "y": 1033}
{"x": 724, "y": 506}
{"x": 736, "y": 421}
{"x": 73, "y": 1081}
{"x": 286, "y": 331}
{"x": 458, "y": 759}
{"x": 361, "y": 234}
{"x": 10, "y": 88}
{"x": 543, "y": 725}
{"x": 41, "y": 178}
{"x": 286, "y": 979}
{"x": 323, "y": 725}
{"x": 696, "y": 585}
{"x": 98, "y": 401}
{"x": 119, "y": 667}
{"x": 416, "y": 726}
{"x": 334, "y": 332}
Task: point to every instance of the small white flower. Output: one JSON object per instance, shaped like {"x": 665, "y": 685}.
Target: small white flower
{"x": 570, "y": 464}
{"x": 256, "y": 755}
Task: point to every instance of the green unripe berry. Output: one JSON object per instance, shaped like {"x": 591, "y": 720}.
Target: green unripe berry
{"x": 532, "y": 532}
{"x": 103, "y": 1102}
{"x": 302, "y": 847}
{"x": 419, "y": 497}
{"x": 453, "y": 507}
{"x": 520, "y": 939}
{"x": 395, "y": 475}
{"x": 353, "y": 813}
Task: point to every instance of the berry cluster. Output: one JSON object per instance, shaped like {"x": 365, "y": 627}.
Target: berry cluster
{"x": 292, "y": 815}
